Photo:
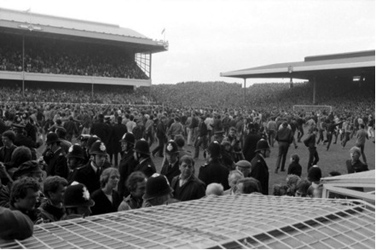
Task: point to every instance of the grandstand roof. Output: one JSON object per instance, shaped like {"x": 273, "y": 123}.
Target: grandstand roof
{"x": 340, "y": 65}
{"x": 232, "y": 221}
{"x": 19, "y": 21}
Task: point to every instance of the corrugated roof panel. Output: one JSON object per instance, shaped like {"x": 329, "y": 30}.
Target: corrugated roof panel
{"x": 67, "y": 23}
{"x": 242, "y": 221}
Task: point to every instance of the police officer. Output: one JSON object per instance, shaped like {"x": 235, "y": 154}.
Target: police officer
{"x": 127, "y": 163}
{"x": 75, "y": 160}
{"x": 170, "y": 166}
{"x": 55, "y": 158}
{"x": 90, "y": 173}
{"x": 214, "y": 170}
{"x": 77, "y": 201}
{"x": 84, "y": 138}
{"x": 259, "y": 169}
{"x": 142, "y": 155}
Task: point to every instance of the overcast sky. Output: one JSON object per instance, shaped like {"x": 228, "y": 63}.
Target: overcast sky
{"x": 207, "y": 37}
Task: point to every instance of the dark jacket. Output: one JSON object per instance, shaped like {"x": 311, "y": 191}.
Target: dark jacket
{"x": 71, "y": 128}
{"x": 130, "y": 202}
{"x": 50, "y": 213}
{"x": 126, "y": 166}
{"x": 57, "y": 164}
{"x": 102, "y": 204}
{"x": 6, "y": 153}
{"x": 110, "y": 140}
{"x": 88, "y": 177}
{"x": 22, "y": 140}
{"x": 310, "y": 141}
{"x": 147, "y": 167}
{"x": 356, "y": 167}
{"x": 161, "y": 131}
{"x": 192, "y": 189}
{"x": 214, "y": 171}
{"x": 284, "y": 135}
{"x": 260, "y": 172}
{"x": 295, "y": 168}
{"x": 250, "y": 146}
{"x": 170, "y": 171}
{"x": 118, "y": 131}
{"x": 102, "y": 130}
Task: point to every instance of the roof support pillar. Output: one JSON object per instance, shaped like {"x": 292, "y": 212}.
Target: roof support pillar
{"x": 314, "y": 91}
{"x": 245, "y": 91}
{"x": 150, "y": 76}
{"x": 23, "y": 65}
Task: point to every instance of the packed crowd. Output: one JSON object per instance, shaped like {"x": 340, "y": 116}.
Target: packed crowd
{"x": 79, "y": 173}
{"x": 33, "y": 95}
{"x": 43, "y": 55}
{"x": 266, "y": 97}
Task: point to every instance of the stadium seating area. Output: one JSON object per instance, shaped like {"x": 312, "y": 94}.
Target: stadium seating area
{"x": 265, "y": 98}
{"x": 43, "y": 55}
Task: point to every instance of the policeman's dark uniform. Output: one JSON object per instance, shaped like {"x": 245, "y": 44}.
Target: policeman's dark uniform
{"x": 127, "y": 164}
{"x": 75, "y": 151}
{"x": 169, "y": 170}
{"x": 56, "y": 161}
{"x": 57, "y": 164}
{"x": 86, "y": 175}
{"x": 250, "y": 143}
{"x": 214, "y": 171}
{"x": 145, "y": 165}
{"x": 259, "y": 169}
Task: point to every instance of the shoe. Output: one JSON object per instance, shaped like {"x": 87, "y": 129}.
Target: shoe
{"x": 282, "y": 170}
{"x": 296, "y": 146}
{"x": 276, "y": 171}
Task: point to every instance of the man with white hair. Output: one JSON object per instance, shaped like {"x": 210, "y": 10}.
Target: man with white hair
{"x": 214, "y": 189}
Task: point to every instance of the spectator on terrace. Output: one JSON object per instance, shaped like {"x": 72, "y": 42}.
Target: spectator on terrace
{"x": 8, "y": 138}
{"x": 354, "y": 165}
{"x": 187, "y": 186}
{"x": 248, "y": 185}
{"x": 361, "y": 137}
{"x": 107, "y": 199}
{"x": 52, "y": 208}
{"x": 284, "y": 138}
{"x": 136, "y": 184}
{"x": 23, "y": 197}
{"x": 214, "y": 189}
{"x": 233, "y": 178}
{"x": 294, "y": 167}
